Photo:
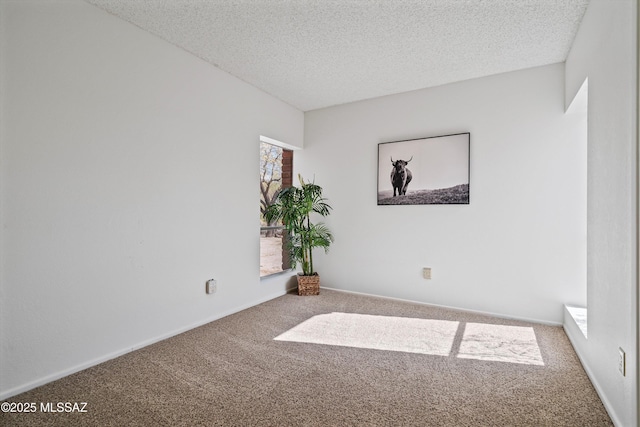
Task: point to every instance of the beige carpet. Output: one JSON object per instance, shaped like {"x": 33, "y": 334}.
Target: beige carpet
{"x": 336, "y": 360}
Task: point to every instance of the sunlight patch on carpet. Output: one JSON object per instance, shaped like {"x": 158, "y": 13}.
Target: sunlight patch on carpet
{"x": 500, "y": 343}
{"x": 424, "y": 336}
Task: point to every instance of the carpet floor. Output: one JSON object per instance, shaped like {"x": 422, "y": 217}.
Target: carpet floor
{"x": 336, "y": 359}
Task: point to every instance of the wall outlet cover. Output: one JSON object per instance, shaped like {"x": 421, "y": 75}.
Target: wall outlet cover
{"x": 212, "y": 286}
{"x": 622, "y": 361}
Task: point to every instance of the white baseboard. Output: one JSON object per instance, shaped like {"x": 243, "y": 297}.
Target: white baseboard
{"x": 576, "y": 336}
{"x": 486, "y": 313}
{"x": 6, "y": 394}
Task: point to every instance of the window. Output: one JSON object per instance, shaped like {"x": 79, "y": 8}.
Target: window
{"x": 276, "y": 167}
{"x": 578, "y": 114}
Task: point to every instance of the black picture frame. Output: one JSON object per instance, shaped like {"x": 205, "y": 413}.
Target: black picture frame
{"x": 425, "y": 171}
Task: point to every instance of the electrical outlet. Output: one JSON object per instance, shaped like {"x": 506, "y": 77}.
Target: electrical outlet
{"x": 212, "y": 286}
{"x": 426, "y": 273}
{"x": 622, "y": 361}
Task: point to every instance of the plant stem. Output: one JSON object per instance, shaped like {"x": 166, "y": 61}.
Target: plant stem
{"x": 309, "y": 246}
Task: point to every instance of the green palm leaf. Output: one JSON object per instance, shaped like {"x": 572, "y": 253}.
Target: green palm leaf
{"x": 294, "y": 207}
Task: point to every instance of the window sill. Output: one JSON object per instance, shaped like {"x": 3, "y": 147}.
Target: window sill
{"x": 579, "y": 316}
{"x": 276, "y": 274}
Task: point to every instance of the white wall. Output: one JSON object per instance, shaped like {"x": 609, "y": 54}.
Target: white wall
{"x": 518, "y": 248}
{"x": 129, "y": 177}
{"x": 605, "y": 51}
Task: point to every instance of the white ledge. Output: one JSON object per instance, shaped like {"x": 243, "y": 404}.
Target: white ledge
{"x": 579, "y": 316}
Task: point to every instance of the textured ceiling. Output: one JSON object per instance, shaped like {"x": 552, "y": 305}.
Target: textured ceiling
{"x": 317, "y": 53}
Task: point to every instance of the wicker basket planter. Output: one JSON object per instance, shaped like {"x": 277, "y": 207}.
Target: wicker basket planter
{"x": 308, "y": 285}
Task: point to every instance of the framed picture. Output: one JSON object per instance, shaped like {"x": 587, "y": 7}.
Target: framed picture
{"x": 425, "y": 171}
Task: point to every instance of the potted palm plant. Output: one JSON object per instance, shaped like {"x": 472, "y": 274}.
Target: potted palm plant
{"x": 294, "y": 207}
